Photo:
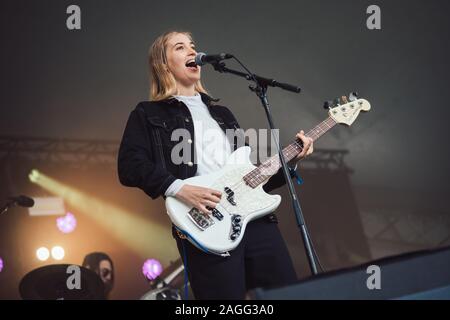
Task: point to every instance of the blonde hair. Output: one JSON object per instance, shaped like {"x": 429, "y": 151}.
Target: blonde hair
{"x": 162, "y": 82}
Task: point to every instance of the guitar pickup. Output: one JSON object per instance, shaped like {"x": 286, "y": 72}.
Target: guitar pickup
{"x": 230, "y": 196}
{"x": 216, "y": 213}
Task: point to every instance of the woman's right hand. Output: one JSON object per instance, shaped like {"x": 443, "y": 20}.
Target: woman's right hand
{"x": 199, "y": 197}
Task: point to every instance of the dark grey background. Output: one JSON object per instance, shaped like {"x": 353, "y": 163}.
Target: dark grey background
{"x": 83, "y": 84}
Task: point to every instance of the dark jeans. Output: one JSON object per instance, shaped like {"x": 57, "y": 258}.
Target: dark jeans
{"x": 260, "y": 260}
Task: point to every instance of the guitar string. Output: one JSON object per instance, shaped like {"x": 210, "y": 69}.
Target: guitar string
{"x": 255, "y": 173}
{"x": 315, "y": 133}
{"x": 255, "y": 176}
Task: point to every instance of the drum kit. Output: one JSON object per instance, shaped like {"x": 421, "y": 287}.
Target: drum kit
{"x": 169, "y": 285}
{"x": 51, "y": 283}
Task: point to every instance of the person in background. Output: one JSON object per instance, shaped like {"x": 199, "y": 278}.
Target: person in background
{"x": 101, "y": 264}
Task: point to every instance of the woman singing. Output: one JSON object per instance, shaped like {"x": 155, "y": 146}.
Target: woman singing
{"x": 178, "y": 100}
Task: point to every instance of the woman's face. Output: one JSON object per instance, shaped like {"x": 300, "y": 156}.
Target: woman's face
{"x": 180, "y": 51}
{"x": 106, "y": 274}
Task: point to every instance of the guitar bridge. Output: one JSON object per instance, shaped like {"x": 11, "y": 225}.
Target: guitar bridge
{"x": 201, "y": 220}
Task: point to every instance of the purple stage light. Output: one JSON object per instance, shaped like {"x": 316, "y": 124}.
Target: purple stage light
{"x": 67, "y": 223}
{"x": 1, "y": 264}
{"x": 151, "y": 268}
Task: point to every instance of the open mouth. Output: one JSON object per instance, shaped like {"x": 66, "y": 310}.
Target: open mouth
{"x": 191, "y": 65}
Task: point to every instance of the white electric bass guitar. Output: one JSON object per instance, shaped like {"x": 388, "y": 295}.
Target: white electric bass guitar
{"x": 241, "y": 183}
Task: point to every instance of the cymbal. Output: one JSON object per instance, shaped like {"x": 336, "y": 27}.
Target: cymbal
{"x": 50, "y": 283}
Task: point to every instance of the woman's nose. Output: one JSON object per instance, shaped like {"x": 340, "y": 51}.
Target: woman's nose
{"x": 192, "y": 51}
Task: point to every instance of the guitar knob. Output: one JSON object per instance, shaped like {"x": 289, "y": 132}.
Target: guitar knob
{"x": 233, "y": 236}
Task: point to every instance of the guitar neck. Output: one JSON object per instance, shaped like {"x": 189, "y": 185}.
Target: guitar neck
{"x": 269, "y": 167}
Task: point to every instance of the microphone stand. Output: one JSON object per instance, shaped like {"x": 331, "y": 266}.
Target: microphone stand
{"x": 261, "y": 91}
{"x": 6, "y": 206}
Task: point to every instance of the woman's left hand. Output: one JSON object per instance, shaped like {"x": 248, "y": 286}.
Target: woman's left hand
{"x": 308, "y": 147}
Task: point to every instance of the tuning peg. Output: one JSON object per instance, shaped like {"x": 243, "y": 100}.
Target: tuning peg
{"x": 344, "y": 99}
{"x": 328, "y": 104}
{"x": 352, "y": 96}
{"x": 336, "y": 102}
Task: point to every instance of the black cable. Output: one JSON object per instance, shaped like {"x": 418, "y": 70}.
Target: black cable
{"x": 248, "y": 71}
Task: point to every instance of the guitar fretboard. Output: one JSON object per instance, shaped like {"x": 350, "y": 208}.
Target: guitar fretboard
{"x": 270, "y": 167}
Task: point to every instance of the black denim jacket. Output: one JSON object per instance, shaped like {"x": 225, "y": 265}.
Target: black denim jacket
{"x": 144, "y": 156}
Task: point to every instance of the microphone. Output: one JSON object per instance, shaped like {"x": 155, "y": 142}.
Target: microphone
{"x": 202, "y": 58}
{"x": 22, "y": 201}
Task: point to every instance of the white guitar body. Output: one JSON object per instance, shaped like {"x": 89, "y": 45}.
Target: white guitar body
{"x": 212, "y": 233}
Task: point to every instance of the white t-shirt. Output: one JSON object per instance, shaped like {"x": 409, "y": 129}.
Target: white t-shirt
{"x": 212, "y": 147}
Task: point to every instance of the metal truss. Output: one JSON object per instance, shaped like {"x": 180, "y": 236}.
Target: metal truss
{"x": 81, "y": 153}
{"x": 71, "y": 152}
{"x": 402, "y": 220}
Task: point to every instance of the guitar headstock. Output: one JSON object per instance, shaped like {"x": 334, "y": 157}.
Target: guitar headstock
{"x": 346, "y": 110}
